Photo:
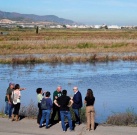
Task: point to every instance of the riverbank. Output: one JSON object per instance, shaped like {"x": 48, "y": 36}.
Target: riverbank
{"x": 30, "y": 127}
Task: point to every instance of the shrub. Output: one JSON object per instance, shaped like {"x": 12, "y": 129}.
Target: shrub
{"x": 29, "y": 111}
{"x": 123, "y": 119}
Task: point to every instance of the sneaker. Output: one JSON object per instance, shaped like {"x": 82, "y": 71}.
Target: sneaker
{"x": 59, "y": 121}
{"x": 77, "y": 123}
{"x": 40, "y": 126}
{"x": 47, "y": 127}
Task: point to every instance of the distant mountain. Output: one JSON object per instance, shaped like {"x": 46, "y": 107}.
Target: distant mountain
{"x": 33, "y": 18}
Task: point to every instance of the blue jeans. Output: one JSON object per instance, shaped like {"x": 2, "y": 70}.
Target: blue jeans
{"x": 10, "y": 107}
{"x": 67, "y": 114}
{"x": 6, "y": 108}
{"x": 45, "y": 115}
{"x": 77, "y": 115}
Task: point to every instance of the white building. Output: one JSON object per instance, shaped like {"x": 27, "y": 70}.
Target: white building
{"x": 97, "y": 26}
{"x": 114, "y": 27}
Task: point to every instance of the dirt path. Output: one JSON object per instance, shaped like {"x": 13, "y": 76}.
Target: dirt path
{"x": 30, "y": 127}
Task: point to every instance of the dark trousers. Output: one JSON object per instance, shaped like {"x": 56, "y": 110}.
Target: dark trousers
{"x": 77, "y": 115}
{"x": 16, "y": 108}
{"x": 55, "y": 110}
{"x": 39, "y": 113}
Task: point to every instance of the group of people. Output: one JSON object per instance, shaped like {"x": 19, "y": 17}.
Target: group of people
{"x": 12, "y": 100}
{"x": 61, "y": 106}
{"x": 48, "y": 109}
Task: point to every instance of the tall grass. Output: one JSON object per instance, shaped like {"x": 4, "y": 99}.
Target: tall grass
{"x": 66, "y": 59}
{"x": 29, "y": 111}
{"x": 128, "y": 118}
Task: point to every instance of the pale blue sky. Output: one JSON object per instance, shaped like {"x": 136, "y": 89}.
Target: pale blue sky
{"x": 120, "y": 12}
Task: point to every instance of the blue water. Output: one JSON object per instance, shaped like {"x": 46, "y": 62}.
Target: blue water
{"x": 114, "y": 83}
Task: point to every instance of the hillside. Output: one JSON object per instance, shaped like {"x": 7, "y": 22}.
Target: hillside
{"x": 33, "y": 18}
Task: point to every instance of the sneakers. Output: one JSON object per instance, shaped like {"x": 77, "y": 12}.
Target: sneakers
{"x": 47, "y": 127}
{"x": 59, "y": 121}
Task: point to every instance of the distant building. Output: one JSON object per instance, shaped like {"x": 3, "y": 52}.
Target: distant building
{"x": 6, "y": 21}
{"x": 114, "y": 27}
{"x": 97, "y": 26}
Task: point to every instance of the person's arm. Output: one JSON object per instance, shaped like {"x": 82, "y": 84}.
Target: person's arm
{"x": 50, "y": 102}
{"x": 22, "y": 89}
{"x": 77, "y": 98}
{"x": 71, "y": 102}
{"x": 8, "y": 97}
{"x": 56, "y": 103}
{"x": 85, "y": 101}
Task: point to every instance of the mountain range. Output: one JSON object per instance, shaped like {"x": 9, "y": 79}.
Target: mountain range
{"x": 34, "y": 18}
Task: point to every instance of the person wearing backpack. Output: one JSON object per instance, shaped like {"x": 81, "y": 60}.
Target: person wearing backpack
{"x": 46, "y": 106}
{"x": 16, "y": 95}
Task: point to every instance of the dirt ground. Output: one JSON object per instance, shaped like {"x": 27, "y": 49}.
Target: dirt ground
{"x": 30, "y": 127}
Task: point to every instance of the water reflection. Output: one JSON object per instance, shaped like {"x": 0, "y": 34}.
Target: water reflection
{"x": 114, "y": 83}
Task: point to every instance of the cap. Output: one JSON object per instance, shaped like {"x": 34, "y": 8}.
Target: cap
{"x": 11, "y": 84}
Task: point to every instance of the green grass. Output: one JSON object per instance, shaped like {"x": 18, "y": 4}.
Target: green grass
{"x": 86, "y": 45}
{"x": 116, "y": 45}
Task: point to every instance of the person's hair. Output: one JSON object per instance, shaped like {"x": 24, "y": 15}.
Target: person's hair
{"x": 47, "y": 94}
{"x": 17, "y": 86}
{"x": 64, "y": 92}
{"x": 89, "y": 93}
{"x": 59, "y": 88}
{"x": 38, "y": 90}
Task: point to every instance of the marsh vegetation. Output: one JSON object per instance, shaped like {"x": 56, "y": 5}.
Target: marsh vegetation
{"x": 89, "y": 44}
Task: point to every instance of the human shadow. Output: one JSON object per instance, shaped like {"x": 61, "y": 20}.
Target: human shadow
{"x": 21, "y": 117}
{"x": 96, "y": 125}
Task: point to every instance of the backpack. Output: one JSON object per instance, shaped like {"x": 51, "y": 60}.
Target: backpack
{"x": 15, "y": 97}
{"x": 43, "y": 104}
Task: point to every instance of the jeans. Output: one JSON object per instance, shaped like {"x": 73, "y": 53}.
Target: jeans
{"x": 77, "y": 115}
{"x": 45, "y": 115}
{"x": 6, "y": 108}
{"x": 10, "y": 107}
{"x": 67, "y": 114}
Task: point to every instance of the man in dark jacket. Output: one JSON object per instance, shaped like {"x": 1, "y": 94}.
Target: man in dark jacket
{"x": 77, "y": 104}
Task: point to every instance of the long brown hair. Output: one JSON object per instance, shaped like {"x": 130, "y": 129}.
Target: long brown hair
{"x": 90, "y": 93}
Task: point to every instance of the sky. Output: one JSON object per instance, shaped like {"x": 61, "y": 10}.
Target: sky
{"x": 91, "y": 12}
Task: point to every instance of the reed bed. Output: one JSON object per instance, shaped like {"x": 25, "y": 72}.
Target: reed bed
{"x": 67, "y": 41}
{"x": 67, "y": 46}
{"x": 66, "y": 59}
{"x": 123, "y": 119}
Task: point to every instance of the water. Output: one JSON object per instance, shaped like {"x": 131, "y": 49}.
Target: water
{"x": 114, "y": 83}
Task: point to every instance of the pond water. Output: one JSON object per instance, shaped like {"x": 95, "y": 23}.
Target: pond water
{"x": 114, "y": 83}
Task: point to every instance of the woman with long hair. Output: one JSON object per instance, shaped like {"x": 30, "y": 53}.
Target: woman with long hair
{"x": 90, "y": 112}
